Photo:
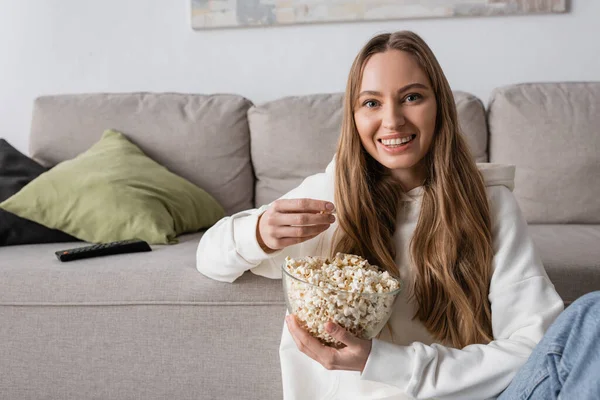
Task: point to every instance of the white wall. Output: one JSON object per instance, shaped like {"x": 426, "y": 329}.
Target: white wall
{"x": 74, "y": 46}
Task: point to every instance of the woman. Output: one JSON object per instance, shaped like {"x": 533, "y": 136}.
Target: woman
{"x": 410, "y": 199}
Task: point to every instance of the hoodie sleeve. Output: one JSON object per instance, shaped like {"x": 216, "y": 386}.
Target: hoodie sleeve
{"x": 229, "y": 248}
{"x": 523, "y": 303}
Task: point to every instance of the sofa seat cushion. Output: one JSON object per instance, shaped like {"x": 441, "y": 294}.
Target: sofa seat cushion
{"x": 31, "y": 274}
{"x": 135, "y": 326}
{"x": 571, "y": 256}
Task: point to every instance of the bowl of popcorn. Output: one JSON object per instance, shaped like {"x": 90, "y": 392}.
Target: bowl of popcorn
{"x": 344, "y": 289}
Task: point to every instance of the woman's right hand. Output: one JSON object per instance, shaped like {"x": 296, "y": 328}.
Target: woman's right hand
{"x": 293, "y": 221}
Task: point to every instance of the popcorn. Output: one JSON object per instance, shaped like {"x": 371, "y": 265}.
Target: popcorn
{"x": 345, "y": 289}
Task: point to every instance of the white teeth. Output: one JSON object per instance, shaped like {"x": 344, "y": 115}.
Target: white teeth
{"x": 391, "y": 142}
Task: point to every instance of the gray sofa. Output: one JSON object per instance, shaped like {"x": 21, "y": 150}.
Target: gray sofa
{"x": 149, "y": 326}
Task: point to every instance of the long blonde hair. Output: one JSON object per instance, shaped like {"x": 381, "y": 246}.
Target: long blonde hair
{"x": 451, "y": 249}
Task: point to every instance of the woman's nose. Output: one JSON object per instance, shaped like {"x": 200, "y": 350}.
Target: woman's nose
{"x": 393, "y": 118}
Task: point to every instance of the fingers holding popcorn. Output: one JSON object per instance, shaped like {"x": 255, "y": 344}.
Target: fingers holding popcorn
{"x": 292, "y": 221}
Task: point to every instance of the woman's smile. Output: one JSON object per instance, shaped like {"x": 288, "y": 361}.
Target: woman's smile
{"x": 397, "y": 143}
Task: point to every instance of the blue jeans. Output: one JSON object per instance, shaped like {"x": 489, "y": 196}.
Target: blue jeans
{"x": 566, "y": 362}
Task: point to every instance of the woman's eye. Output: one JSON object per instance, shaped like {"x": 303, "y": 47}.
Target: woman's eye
{"x": 370, "y": 103}
{"x": 413, "y": 97}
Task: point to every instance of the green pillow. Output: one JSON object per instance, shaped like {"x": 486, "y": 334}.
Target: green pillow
{"x": 114, "y": 192}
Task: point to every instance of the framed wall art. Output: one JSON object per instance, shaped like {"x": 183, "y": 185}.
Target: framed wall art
{"x": 207, "y": 14}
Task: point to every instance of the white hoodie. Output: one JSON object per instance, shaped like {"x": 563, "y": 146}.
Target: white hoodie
{"x": 406, "y": 362}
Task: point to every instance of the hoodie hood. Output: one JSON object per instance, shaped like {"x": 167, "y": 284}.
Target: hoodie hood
{"x": 498, "y": 174}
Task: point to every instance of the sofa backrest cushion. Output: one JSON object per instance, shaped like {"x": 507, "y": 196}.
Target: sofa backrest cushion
{"x": 551, "y": 132}
{"x": 202, "y": 138}
{"x": 294, "y": 137}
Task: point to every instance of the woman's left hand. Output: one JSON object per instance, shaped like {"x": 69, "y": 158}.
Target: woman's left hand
{"x": 353, "y": 357}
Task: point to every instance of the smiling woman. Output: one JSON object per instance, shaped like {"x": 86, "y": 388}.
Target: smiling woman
{"x": 409, "y": 198}
{"x": 397, "y": 90}
{"x": 395, "y": 115}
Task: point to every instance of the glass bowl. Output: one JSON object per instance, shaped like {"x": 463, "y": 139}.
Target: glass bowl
{"x": 362, "y": 314}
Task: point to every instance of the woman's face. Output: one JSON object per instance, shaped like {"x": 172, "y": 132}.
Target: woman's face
{"x": 395, "y": 114}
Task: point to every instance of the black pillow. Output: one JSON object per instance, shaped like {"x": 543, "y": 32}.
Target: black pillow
{"x": 16, "y": 171}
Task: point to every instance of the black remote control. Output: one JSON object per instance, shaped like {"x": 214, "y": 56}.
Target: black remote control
{"x": 105, "y": 249}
